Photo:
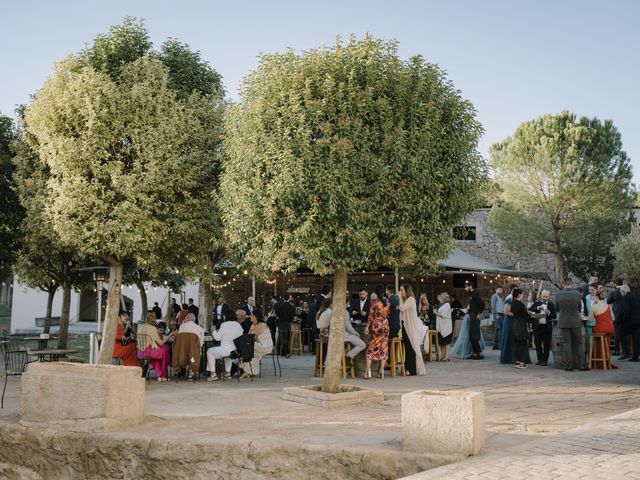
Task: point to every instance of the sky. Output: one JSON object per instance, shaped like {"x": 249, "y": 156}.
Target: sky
{"x": 515, "y": 60}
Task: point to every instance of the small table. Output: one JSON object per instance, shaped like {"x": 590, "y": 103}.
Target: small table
{"x": 42, "y": 342}
{"x": 53, "y": 354}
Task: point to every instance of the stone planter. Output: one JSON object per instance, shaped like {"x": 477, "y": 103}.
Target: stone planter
{"x": 81, "y": 397}
{"x": 347, "y": 395}
{"x": 445, "y": 422}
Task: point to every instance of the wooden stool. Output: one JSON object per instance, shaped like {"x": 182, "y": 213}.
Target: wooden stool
{"x": 307, "y": 338}
{"x": 296, "y": 338}
{"x": 604, "y": 351}
{"x": 345, "y": 347}
{"x": 397, "y": 357}
{"x": 321, "y": 344}
{"x": 433, "y": 339}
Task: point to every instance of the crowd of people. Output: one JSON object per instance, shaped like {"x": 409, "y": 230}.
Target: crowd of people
{"x": 385, "y": 314}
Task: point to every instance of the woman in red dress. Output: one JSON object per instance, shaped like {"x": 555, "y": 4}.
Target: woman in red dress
{"x": 378, "y": 331}
{"x": 127, "y": 352}
{"x": 601, "y": 312}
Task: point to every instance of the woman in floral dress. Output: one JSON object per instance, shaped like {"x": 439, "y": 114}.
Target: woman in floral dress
{"x": 378, "y": 331}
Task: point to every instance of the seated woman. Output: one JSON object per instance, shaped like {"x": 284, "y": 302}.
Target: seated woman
{"x": 601, "y": 313}
{"x": 154, "y": 347}
{"x": 125, "y": 346}
{"x": 262, "y": 346}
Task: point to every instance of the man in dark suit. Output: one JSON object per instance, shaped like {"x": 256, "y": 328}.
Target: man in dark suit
{"x": 569, "y": 307}
{"x": 631, "y": 320}
{"x": 193, "y": 309}
{"x": 542, "y": 327}
{"x": 285, "y": 311}
{"x": 615, "y": 300}
{"x": 156, "y": 309}
{"x": 250, "y": 307}
{"x": 359, "y": 307}
{"x": 220, "y": 312}
{"x": 394, "y": 313}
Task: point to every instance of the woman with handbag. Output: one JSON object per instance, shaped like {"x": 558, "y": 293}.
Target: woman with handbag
{"x": 125, "y": 345}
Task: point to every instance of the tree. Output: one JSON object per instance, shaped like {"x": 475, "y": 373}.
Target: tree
{"x": 627, "y": 257}
{"x": 562, "y": 179}
{"x": 11, "y": 212}
{"x": 347, "y": 157}
{"x": 112, "y": 130}
{"x": 44, "y": 261}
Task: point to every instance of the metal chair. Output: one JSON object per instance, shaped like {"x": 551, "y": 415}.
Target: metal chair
{"x": 16, "y": 359}
{"x": 142, "y": 342}
{"x": 275, "y": 358}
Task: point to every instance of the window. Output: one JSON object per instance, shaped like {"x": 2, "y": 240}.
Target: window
{"x": 464, "y": 233}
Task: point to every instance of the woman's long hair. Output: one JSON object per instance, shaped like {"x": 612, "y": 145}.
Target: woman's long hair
{"x": 326, "y": 303}
{"x": 408, "y": 290}
{"x": 379, "y": 291}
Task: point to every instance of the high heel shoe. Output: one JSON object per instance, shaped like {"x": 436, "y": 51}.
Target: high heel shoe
{"x": 367, "y": 374}
{"x": 381, "y": 374}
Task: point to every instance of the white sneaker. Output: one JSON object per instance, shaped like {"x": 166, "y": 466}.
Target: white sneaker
{"x": 520, "y": 365}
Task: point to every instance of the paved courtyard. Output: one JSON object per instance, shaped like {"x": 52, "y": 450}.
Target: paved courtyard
{"x": 523, "y": 408}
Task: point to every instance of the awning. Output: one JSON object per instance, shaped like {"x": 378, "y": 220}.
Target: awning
{"x": 460, "y": 260}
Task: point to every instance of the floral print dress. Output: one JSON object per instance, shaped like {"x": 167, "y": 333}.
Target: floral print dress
{"x": 378, "y": 346}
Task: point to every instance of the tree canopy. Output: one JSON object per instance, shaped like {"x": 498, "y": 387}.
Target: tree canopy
{"x": 566, "y": 190}
{"x": 627, "y": 257}
{"x": 133, "y": 162}
{"x": 348, "y": 157}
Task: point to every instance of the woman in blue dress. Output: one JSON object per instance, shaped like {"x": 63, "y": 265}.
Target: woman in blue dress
{"x": 462, "y": 348}
{"x": 507, "y": 352}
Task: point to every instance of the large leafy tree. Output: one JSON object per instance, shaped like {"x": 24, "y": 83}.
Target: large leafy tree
{"x": 348, "y": 157}
{"x": 627, "y": 257}
{"x": 133, "y": 160}
{"x": 44, "y": 260}
{"x": 566, "y": 190}
{"x": 11, "y": 212}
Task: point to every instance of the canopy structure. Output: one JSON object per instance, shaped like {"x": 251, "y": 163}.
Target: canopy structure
{"x": 460, "y": 260}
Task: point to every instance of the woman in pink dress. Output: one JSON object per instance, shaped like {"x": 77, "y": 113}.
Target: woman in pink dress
{"x": 601, "y": 313}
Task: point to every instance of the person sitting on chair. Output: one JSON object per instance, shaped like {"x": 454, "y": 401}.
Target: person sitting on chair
{"x": 125, "y": 345}
{"x": 156, "y": 349}
{"x": 228, "y": 332}
{"x": 262, "y": 346}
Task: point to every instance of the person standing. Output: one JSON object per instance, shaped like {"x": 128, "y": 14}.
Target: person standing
{"x": 220, "y": 311}
{"x": 250, "y": 307}
{"x": 519, "y": 318}
{"x": 412, "y": 328}
{"x": 359, "y": 307}
{"x": 497, "y": 310}
{"x": 444, "y": 324}
{"x": 157, "y": 310}
{"x": 476, "y": 306}
{"x": 615, "y": 300}
{"x": 631, "y": 320}
{"x": 394, "y": 313}
{"x": 378, "y": 331}
{"x": 193, "y": 309}
{"x": 285, "y": 312}
{"x": 542, "y": 327}
{"x": 569, "y": 305}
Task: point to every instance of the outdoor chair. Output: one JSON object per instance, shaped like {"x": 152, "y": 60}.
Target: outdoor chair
{"x": 16, "y": 359}
{"x": 244, "y": 351}
{"x": 142, "y": 342}
{"x": 275, "y": 358}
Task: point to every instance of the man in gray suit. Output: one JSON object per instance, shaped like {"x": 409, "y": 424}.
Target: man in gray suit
{"x": 569, "y": 306}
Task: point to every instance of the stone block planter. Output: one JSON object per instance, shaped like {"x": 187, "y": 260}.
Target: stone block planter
{"x": 82, "y": 397}
{"x": 347, "y": 395}
{"x": 445, "y": 422}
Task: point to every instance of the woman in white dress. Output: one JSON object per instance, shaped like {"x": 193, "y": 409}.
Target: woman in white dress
{"x": 412, "y": 331}
{"x": 262, "y": 346}
{"x": 444, "y": 325}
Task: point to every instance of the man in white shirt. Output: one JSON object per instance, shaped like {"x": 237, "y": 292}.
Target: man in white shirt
{"x": 189, "y": 326}
{"x": 228, "y": 332}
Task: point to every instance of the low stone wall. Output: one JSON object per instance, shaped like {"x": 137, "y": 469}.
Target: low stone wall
{"x": 56, "y": 454}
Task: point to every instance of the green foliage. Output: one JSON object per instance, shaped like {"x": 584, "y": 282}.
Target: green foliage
{"x": 11, "y": 212}
{"x": 626, "y": 251}
{"x": 562, "y": 177}
{"x": 348, "y": 156}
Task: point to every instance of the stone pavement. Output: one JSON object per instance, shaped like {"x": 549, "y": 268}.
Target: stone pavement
{"x": 609, "y": 449}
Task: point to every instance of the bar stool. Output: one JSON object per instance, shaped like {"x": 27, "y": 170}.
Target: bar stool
{"x": 397, "y": 357}
{"x": 307, "y": 338}
{"x": 296, "y": 338}
{"x": 321, "y": 345}
{"x": 605, "y": 357}
{"x": 433, "y": 340}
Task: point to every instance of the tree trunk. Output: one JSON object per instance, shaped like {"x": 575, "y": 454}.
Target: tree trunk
{"x": 206, "y": 304}
{"x": 47, "y": 320}
{"x": 63, "y": 333}
{"x": 143, "y": 299}
{"x": 111, "y": 315}
{"x": 561, "y": 264}
{"x": 333, "y": 363}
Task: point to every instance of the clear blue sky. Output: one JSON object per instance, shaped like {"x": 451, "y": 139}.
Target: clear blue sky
{"x": 515, "y": 60}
